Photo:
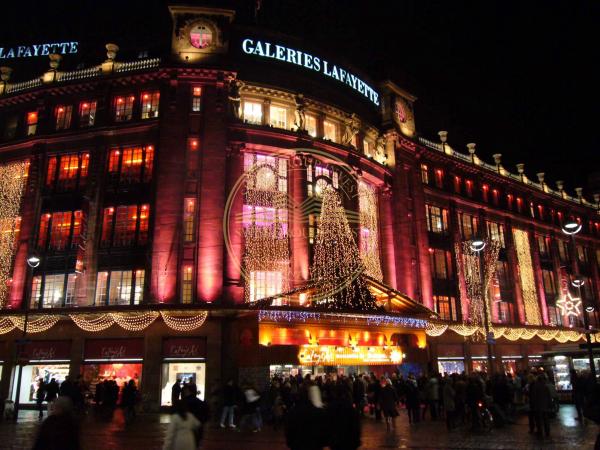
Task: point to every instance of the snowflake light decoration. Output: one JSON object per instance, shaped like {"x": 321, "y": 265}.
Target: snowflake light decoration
{"x": 569, "y": 305}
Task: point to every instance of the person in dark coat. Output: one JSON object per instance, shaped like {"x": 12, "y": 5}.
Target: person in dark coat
{"x": 541, "y": 404}
{"x": 306, "y": 426}
{"x": 40, "y": 396}
{"x": 60, "y": 431}
{"x": 230, "y": 394}
{"x": 128, "y": 400}
{"x": 51, "y": 391}
{"x": 198, "y": 408}
{"x": 176, "y": 392}
{"x": 413, "y": 404}
{"x": 388, "y": 402}
{"x": 343, "y": 421}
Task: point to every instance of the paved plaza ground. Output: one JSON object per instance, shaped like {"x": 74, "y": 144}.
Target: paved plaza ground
{"x": 148, "y": 432}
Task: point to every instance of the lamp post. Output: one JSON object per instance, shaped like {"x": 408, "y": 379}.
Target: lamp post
{"x": 571, "y": 228}
{"x": 32, "y": 262}
{"x": 477, "y": 245}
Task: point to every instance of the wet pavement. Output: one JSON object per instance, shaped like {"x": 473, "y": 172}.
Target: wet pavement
{"x": 148, "y": 431}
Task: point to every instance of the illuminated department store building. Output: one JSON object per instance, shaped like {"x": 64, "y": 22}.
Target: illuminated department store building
{"x": 135, "y": 184}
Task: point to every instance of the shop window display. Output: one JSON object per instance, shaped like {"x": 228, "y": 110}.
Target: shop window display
{"x": 119, "y": 372}
{"x": 30, "y": 379}
{"x": 186, "y": 372}
{"x": 450, "y": 366}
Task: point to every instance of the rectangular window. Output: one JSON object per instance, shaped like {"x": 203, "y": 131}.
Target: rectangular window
{"x": 125, "y": 227}
{"x": 424, "y": 174}
{"x": 189, "y": 215}
{"x": 52, "y": 296}
{"x": 311, "y": 125}
{"x": 187, "y": 285}
{"x": 550, "y": 288}
{"x": 445, "y": 306}
{"x": 131, "y": 165}
{"x": 120, "y": 288}
{"x": 457, "y": 184}
{"x": 441, "y": 264}
{"x": 62, "y": 114}
{"x": 437, "y": 219}
{"x": 330, "y": 131}
{"x": 264, "y": 284}
{"x": 32, "y": 123}
{"x": 543, "y": 244}
{"x": 138, "y": 290}
{"x": 150, "y": 104}
{"x": 582, "y": 254}
{"x": 70, "y": 292}
{"x": 563, "y": 251}
{"x": 469, "y": 226}
{"x": 10, "y": 129}
{"x": 505, "y": 312}
{"x": 87, "y": 114}
{"x": 485, "y": 193}
{"x": 196, "y": 99}
{"x": 503, "y": 278}
{"x": 554, "y": 316}
{"x": 43, "y": 231}
{"x": 469, "y": 188}
{"x": 124, "y": 108}
{"x": 36, "y": 291}
{"x": 101, "y": 289}
{"x": 439, "y": 178}
{"x": 278, "y": 117}
{"x": 60, "y": 230}
{"x": 253, "y": 112}
{"x": 496, "y": 232}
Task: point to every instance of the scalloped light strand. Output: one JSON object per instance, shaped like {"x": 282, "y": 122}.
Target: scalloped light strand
{"x": 184, "y": 323}
{"x": 134, "y": 321}
{"x": 92, "y": 322}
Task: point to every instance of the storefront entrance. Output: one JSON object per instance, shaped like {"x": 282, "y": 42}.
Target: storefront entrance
{"x": 118, "y": 360}
{"x": 46, "y": 360}
{"x": 184, "y": 362}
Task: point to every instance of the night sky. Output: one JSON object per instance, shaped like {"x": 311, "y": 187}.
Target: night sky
{"x": 517, "y": 78}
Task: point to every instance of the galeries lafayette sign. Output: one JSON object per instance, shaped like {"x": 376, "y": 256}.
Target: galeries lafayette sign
{"x": 300, "y": 58}
{"x": 47, "y": 350}
{"x": 30, "y": 51}
{"x": 184, "y": 348}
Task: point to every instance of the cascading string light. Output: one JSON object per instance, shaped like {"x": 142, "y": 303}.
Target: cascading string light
{"x": 134, "y": 321}
{"x": 528, "y": 287}
{"x": 265, "y": 228}
{"x": 369, "y": 230}
{"x": 13, "y": 178}
{"x": 92, "y": 322}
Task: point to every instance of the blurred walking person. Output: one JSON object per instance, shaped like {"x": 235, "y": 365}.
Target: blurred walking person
{"x": 388, "y": 403}
{"x": 60, "y": 431}
{"x": 182, "y": 431}
{"x": 343, "y": 421}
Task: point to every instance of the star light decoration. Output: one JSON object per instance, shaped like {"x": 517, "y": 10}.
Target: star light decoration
{"x": 569, "y": 305}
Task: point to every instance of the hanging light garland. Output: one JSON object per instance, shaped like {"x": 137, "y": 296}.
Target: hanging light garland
{"x": 530, "y": 298}
{"x": 465, "y": 330}
{"x": 6, "y": 325}
{"x": 181, "y": 322}
{"x": 13, "y": 178}
{"x": 435, "y": 329}
{"x": 369, "y": 230}
{"x": 35, "y": 323}
{"x": 134, "y": 321}
{"x": 92, "y": 322}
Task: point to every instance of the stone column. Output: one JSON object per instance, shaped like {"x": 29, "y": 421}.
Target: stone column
{"x": 386, "y": 233}
{"x": 299, "y": 223}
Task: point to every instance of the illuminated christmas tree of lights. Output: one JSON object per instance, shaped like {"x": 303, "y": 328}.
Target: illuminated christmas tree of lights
{"x": 530, "y": 298}
{"x": 337, "y": 267}
{"x": 13, "y": 178}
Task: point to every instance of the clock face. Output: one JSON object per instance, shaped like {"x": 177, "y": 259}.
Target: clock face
{"x": 201, "y": 36}
{"x": 399, "y": 111}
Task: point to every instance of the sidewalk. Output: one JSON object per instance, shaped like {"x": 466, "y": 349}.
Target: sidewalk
{"x": 148, "y": 432}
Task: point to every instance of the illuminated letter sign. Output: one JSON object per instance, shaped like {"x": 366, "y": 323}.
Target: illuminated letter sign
{"x": 308, "y": 61}
{"x": 29, "y": 51}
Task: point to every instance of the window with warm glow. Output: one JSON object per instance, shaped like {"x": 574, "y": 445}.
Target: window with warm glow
{"x": 439, "y": 178}
{"x": 437, "y": 219}
{"x": 582, "y": 254}
{"x": 119, "y": 287}
{"x": 62, "y": 114}
{"x": 441, "y": 264}
{"x": 189, "y": 216}
{"x": 330, "y": 131}
{"x": 187, "y": 285}
{"x": 563, "y": 251}
{"x": 543, "y": 244}
{"x": 53, "y": 290}
{"x": 550, "y": 288}
{"x": 150, "y": 102}
{"x": 424, "y": 174}
{"x": 275, "y": 219}
{"x": 310, "y": 124}
{"x": 278, "y": 116}
{"x": 201, "y": 36}
{"x": 253, "y": 112}
{"x": 131, "y": 165}
{"x": 445, "y": 306}
{"x": 67, "y": 171}
{"x": 124, "y": 108}
{"x": 196, "y": 99}
{"x": 87, "y": 114}
{"x": 469, "y": 188}
{"x": 502, "y": 277}
{"x": 125, "y": 226}
{"x": 468, "y": 226}
{"x": 496, "y": 232}
{"x": 59, "y": 230}
{"x": 554, "y": 316}
{"x": 32, "y": 123}
{"x": 264, "y": 284}
{"x": 485, "y": 192}
{"x": 319, "y": 177}
{"x": 505, "y": 312}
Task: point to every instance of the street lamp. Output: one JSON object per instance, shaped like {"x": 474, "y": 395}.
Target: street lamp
{"x": 33, "y": 261}
{"x": 477, "y": 245}
{"x": 571, "y": 228}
